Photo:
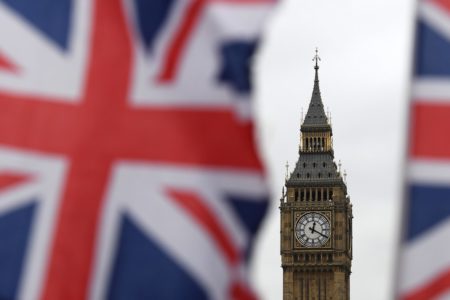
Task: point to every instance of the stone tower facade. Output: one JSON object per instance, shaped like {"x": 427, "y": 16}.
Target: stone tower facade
{"x": 316, "y": 215}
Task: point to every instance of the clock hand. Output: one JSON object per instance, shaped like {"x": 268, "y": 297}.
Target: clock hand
{"x": 320, "y": 233}
{"x": 313, "y": 230}
{"x": 323, "y": 235}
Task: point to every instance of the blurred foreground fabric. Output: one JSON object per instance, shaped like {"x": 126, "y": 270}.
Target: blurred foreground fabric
{"x": 424, "y": 258}
{"x": 128, "y": 168}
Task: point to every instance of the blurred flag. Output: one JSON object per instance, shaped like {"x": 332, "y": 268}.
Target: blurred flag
{"x": 424, "y": 258}
{"x": 127, "y": 163}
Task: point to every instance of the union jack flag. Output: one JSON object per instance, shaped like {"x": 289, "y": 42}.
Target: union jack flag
{"x": 424, "y": 258}
{"x": 127, "y": 163}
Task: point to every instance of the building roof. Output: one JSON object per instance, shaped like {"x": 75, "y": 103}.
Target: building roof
{"x": 315, "y": 169}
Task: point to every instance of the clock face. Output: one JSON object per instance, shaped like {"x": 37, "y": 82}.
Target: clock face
{"x": 313, "y": 230}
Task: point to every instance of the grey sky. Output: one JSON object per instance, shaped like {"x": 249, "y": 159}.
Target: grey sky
{"x": 365, "y": 48}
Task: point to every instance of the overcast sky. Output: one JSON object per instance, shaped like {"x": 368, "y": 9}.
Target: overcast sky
{"x": 365, "y": 48}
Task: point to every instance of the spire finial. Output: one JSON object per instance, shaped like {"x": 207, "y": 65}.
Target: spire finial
{"x": 287, "y": 171}
{"x": 317, "y": 59}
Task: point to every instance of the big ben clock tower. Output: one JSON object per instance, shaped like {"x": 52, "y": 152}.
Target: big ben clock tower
{"x": 316, "y": 215}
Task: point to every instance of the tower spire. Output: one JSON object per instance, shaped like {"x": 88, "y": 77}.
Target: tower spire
{"x": 316, "y": 114}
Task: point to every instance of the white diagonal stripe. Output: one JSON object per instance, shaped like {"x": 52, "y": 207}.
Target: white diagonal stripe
{"x": 45, "y": 69}
{"x": 425, "y": 258}
{"x": 445, "y": 296}
{"x": 435, "y": 17}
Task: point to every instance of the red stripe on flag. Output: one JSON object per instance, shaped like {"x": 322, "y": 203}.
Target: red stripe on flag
{"x": 240, "y": 291}
{"x": 206, "y": 218}
{"x": 7, "y": 65}
{"x": 70, "y": 260}
{"x": 10, "y": 179}
{"x": 194, "y": 137}
{"x": 429, "y": 130}
{"x": 431, "y": 290}
{"x": 443, "y": 3}
{"x": 178, "y": 44}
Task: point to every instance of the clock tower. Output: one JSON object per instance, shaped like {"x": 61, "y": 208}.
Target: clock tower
{"x": 316, "y": 215}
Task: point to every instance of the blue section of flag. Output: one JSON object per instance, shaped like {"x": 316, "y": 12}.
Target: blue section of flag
{"x": 151, "y": 16}
{"x": 236, "y": 62}
{"x": 428, "y": 205}
{"x": 51, "y": 17}
{"x": 142, "y": 270}
{"x": 432, "y": 52}
{"x": 14, "y": 234}
{"x": 251, "y": 213}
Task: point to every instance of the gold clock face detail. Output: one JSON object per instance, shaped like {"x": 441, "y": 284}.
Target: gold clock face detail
{"x": 313, "y": 230}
